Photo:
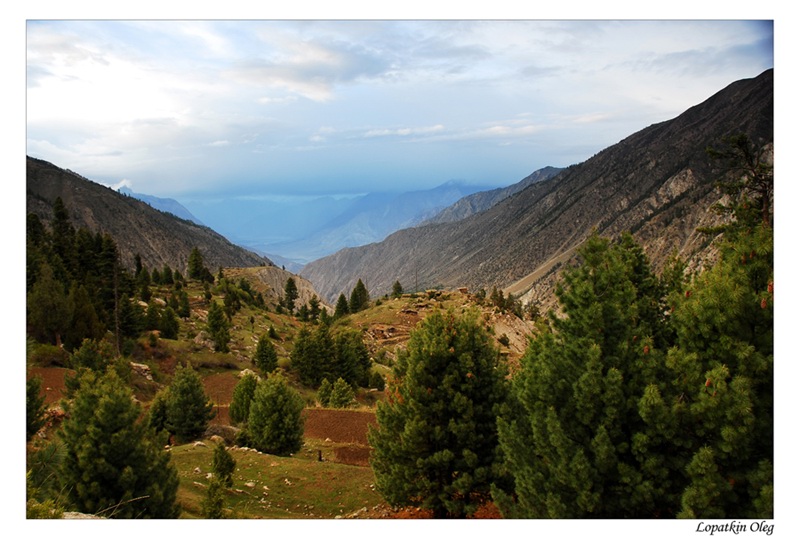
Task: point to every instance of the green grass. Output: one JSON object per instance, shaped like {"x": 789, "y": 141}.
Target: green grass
{"x": 280, "y": 487}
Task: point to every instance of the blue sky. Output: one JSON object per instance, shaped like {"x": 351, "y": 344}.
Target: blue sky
{"x": 214, "y": 109}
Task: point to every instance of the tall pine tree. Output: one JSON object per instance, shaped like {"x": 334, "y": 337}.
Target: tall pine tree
{"x": 436, "y": 443}
{"x": 114, "y": 463}
{"x": 578, "y": 446}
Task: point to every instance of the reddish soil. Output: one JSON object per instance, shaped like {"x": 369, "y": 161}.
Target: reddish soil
{"x": 52, "y": 382}
{"x": 345, "y": 426}
{"x": 219, "y": 387}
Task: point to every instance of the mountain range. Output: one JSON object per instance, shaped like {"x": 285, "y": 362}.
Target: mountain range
{"x": 160, "y": 238}
{"x": 294, "y": 231}
{"x": 657, "y": 184}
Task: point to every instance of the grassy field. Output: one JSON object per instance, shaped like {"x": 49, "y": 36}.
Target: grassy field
{"x": 267, "y": 486}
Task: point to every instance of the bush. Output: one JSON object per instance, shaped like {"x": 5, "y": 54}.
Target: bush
{"x": 342, "y": 395}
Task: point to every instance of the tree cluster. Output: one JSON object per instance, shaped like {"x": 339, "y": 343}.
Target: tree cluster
{"x": 319, "y": 355}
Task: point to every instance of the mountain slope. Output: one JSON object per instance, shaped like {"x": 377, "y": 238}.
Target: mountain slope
{"x": 656, "y": 183}
{"x": 481, "y": 201}
{"x": 167, "y": 205}
{"x": 367, "y": 219}
{"x": 158, "y": 237}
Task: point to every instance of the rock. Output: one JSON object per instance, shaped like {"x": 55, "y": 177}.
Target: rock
{"x": 250, "y": 484}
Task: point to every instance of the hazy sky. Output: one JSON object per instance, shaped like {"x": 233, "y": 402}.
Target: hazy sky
{"x": 188, "y": 109}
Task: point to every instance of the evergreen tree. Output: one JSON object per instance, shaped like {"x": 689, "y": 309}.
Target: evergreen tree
{"x": 436, "y": 442}
{"x": 96, "y": 355}
{"x": 275, "y": 424}
{"x": 359, "y": 297}
{"x": 83, "y": 320}
{"x": 342, "y": 395}
{"x": 349, "y": 359}
{"x": 290, "y": 294}
{"x": 34, "y": 406}
{"x": 168, "y": 325}
{"x": 342, "y": 308}
{"x": 213, "y": 504}
{"x": 223, "y": 465}
{"x": 196, "y": 268}
{"x": 266, "y": 357}
{"x": 157, "y": 412}
{"x": 218, "y": 327}
{"x": 48, "y": 308}
{"x": 114, "y": 464}
{"x": 578, "y": 446}
{"x": 188, "y": 407}
{"x": 324, "y": 392}
{"x": 310, "y": 354}
{"x": 397, "y": 289}
{"x": 243, "y": 394}
{"x": 722, "y": 365}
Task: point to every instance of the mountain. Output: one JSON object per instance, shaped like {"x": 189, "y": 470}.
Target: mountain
{"x": 299, "y": 230}
{"x": 481, "y": 201}
{"x": 372, "y": 218}
{"x": 160, "y": 238}
{"x": 167, "y": 205}
{"x": 657, "y": 184}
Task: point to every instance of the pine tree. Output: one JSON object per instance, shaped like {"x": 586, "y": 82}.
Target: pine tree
{"x": 359, "y": 297}
{"x": 275, "y": 424}
{"x": 436, "y": 442}
{"x": 223, "y": 465}
{"x": 213, "y": 504}
{"x": 342, "y": 395}
{"x": 397, "y": 289}
{"x": 266, "y": 357}
{"x": 290, "y": 294}
{"x": 48, "y": 308}
{"x": 243, "y": 394}
{"x": 578, "y": 446}
{"x": 349, "y": 360}
{"x": 114, "y": 463}
{"x": 310, "y": 354}
{"x": 188, "y": 407}
{"x": 196, "y": 267}
{"x": 722, "y": 366}
{"x": 342, "y": 308}
{"x": 34, "y": 406}
{"x": 169, "y": 324}
{"x": 324, "y": 392}
{"x": 218, "y": 327}
{"x": 83, "y": 320}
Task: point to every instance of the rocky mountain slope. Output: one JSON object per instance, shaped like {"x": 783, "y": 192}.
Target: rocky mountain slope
{"x": 481, "y": 201}
{"x": 158, "y": 237}
{"x": 167, "y": 205}
{"x": 657, "y": 184}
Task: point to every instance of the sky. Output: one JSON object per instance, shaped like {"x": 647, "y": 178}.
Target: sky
{"x": 211, "y": 109}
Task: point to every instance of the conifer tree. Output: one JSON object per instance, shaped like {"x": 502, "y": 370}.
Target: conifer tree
{"x": 243, "y": 393}
{"x": 48, "y": 308}
{"x": 342, "y": 308}
{"x": 397, "y": 289}
{"x": 213, "y": 504}
{"x": 722, "y": 366}
{"x": 290, "y": 294}
{"x": 169, "y": 324}
{"x": 275, "y": 423}
{"x": 218, "y": 327}
{"x": 114, "y": 463}
{"x": 359, "y": 297}
{"x": 196, "y": 267}
{"x": 436, "y": 442}
{"x": 324, "y": 392}
{"x": 83, "y": 319}
{"x": 34, "y": 407}
{"x": 223, "y": 465}
{"x": 266, "y": 357}
{"x": 188, "y": 407}
{"x": 578, "y": 446}
{"x": 342, "y": 395}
